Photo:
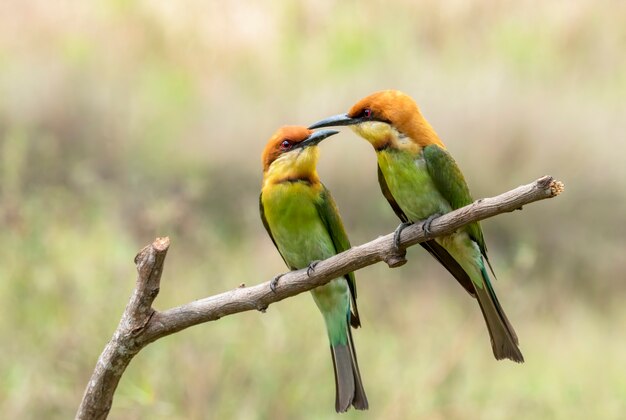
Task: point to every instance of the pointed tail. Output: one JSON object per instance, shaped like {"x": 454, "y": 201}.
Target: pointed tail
{"x": 503, "y": 338}
{"x": 348, "y": 384}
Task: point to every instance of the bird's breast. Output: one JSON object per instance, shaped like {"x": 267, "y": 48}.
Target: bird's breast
{"x": 292, "y": 215}
{"x": 411, "y": 185}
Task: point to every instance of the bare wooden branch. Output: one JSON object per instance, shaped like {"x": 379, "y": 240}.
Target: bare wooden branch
{"x": 141, "y": 324}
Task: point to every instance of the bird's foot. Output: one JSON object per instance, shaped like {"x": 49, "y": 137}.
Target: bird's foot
{"x": 274, "y": 282}
{"x": 398, "y": 231}
{"x": 311, "y": 267}
{"x": 428, "y": 221}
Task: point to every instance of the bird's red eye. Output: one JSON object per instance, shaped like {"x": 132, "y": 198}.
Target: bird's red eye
{"x": 367, "y": 113}
{"x": 285, "y": 145}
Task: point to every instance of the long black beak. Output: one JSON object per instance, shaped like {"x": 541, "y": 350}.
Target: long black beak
{"x": 317, "y": 137}
{"x": 335, "y": 121}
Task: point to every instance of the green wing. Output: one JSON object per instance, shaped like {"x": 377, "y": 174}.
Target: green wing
{"x": 450, "y": 182}
{"x": 329, "y": 214}
{"x": 269, "y": 231}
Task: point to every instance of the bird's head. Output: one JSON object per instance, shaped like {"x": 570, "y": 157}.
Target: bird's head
{"x": 388, "y": 118}
{"x": 291, "y": 153}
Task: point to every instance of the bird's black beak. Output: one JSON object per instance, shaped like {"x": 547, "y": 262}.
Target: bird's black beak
{"x": 335, "y": 121}
{"x": 315, "y": 138}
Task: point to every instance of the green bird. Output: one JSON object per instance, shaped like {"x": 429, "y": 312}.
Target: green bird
{"x": 302, "y": 220}
{"x": 421, "y": 180}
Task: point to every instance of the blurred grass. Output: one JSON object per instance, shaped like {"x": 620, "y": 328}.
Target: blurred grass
{"x": 121, "y": 121}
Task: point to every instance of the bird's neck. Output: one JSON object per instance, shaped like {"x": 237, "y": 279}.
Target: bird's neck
{"x": 410, "y": 137}
{"x": 298, "y": 165}
{"x": 422, "y": 133}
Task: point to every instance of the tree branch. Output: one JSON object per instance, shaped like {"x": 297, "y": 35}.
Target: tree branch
{"x": 141, "y": 324}
{"x": 126, "y": 341}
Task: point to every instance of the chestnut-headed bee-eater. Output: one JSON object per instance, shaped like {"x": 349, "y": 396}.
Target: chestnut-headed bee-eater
{"x": 421, "y": 180}
{"x": 302, "y": 220}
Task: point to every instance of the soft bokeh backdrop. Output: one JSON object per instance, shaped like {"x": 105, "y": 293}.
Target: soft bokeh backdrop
{"x": 125, "y": 120}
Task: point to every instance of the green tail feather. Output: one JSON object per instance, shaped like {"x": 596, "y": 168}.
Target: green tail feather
{"x": 504, "y": 341}
{"x": 348, "y": 384}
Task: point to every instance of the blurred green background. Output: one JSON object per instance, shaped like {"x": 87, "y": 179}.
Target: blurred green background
{"x": 125, "y": 120}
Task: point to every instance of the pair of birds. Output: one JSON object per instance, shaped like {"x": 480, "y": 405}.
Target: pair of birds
{"x": 418, "y": 177}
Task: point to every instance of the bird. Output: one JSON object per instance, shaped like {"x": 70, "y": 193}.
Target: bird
{"x": 304, "y": 224}
{"x": 421, "y": 181}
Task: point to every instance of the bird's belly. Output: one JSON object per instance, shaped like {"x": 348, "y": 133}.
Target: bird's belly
{"x": 411, "y": 185}
{"x": 333, "y": 296}
{"x": 299, "y": 233}
{"x": 304, "y": 245}
{"x": 466, "y": 252}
